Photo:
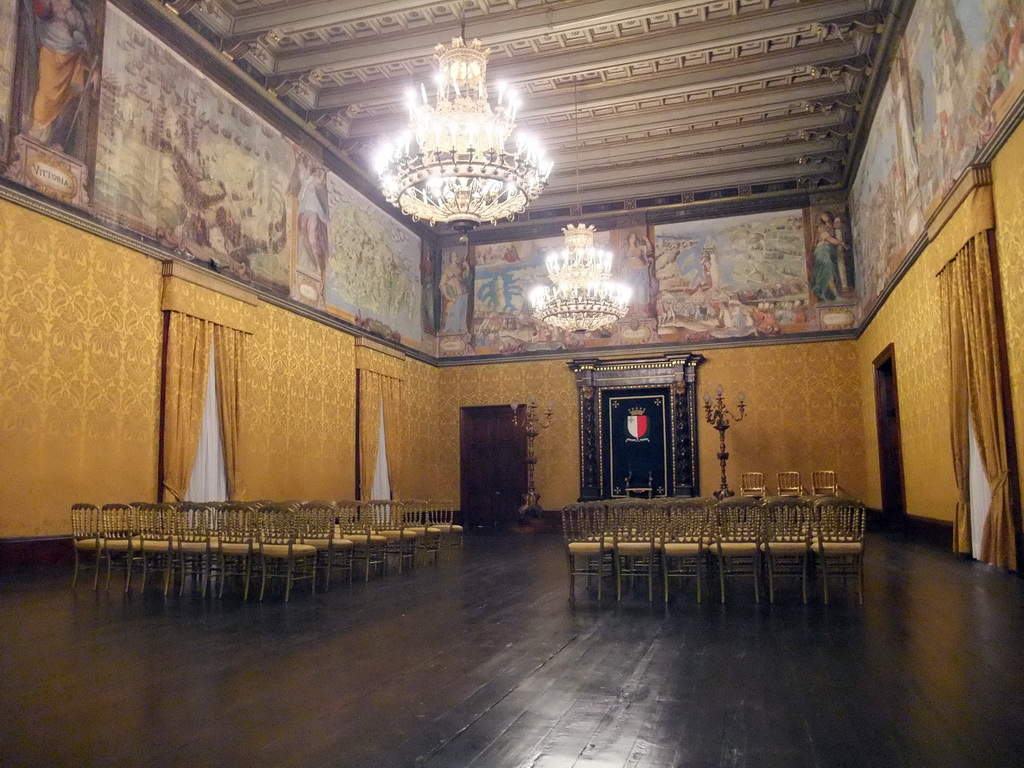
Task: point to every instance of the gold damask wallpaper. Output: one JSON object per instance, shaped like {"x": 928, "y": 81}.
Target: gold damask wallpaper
{"x": 303, "y": 406}
{"x": 80, "y": 342}
{"x": 911, "y": 319}
{"x": 804, "y": 414}
{"x": 1008, "y": 191}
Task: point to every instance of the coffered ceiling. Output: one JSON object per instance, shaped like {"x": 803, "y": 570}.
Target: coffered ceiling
{"x": 673, "y": 100}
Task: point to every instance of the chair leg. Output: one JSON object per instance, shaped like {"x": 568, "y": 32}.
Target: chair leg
{"x": 263, "y": 582}
{"x": 618, "y": 578}
{"x": 106, "y": 585}
{"x": 824, "y": 577}
{"x": 757, "y": 578}
{"x": 771, "y": 577}
{"x": 247, "y": 575}
{"x": 288, "y": 578}
{"x": 74, "y": 576}
{"x": 129, "y": 559}
{"x": 721, "y": 576}
{"x": 699, "y": 568}
{"x": 571, "y": 581}
{"x": 860, "y": 578}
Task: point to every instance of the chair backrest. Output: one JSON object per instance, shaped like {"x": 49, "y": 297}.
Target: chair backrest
{"x": 687, "y": 521}
{"x": 85, "y": 521}
{"x": 752, "y": 484}
{"x": 378, "y": 512}
{"x": 315, "y": 520}
{"x": 193, "y": 521}
{"x": 276, "y": 524}
{"x": 118, "y": 521}
{"x": 841, "y": 520}
{"x": 738, "y": 519}
{"x": 349, "y": 520}
{"x": 824, "y": 483}
{"x": 636, "y": 520}
{"x": 787, "y": 519}
{"x": 236, "y": 523}
{"x": 789, "y": 484}
{"x": 576, "y": 522}
{"x": 154, "y": 521}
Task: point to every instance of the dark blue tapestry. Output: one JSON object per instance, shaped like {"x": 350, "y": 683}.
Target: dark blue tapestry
{"x": 636, "y": 446}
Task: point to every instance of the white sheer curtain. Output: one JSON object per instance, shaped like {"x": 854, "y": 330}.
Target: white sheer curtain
{"x": 381, "y": 483}
{"x": 209, "y": 476}
{"x": 979, "y": 490}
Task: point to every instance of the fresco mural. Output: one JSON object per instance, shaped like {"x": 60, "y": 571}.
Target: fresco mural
{"x": 956, "y": 75}
{"x": 759, "y": 275}
{"x": 179, "y": 160}
{"x": 373, "y": 270}
{"x": 310, "y": 211}
{"x": 59, "y": 53}
{"x": 8, "y": 49}
{"x": 732, "y": 277}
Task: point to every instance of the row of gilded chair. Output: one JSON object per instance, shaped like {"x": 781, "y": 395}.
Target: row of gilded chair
{"x": 789, "y": 484}
{"x": 774, "y": 536}
{"x": 288, "y": 540}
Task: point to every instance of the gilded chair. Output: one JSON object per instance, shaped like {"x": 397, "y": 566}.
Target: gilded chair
{"x": 430, "y": 542}
{"x": 839, "y": 542}
{"x": 156, "y": 546}
{"x": 387, "y": 519}
{"x": 587, "y": 545}
{"x": 87, "y": 538}
{"x": 442, "y": 521}
{"x": 120, "y": 542}
{"x": 316, "y": 527}
{"x": 636, "y": 542}
{"x": 683, "y": 543}
{"x": 413, "y": 512}
{"x": 787, "y": 540}
{"x": 752, "y": 485}
{"x": 195, "y": 543}
{"x": 737, "y": 536}
{"x": 789, "y": 484}
{"x": 824, "y": 483}
{"x": 368, "y": 548}
{"x": 235, "y": 543}
{"x": 282, "y": 555}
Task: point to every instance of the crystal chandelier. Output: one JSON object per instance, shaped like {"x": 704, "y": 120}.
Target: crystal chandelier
{"x": 583, "y": 296}
{"x": 454, "y": 164}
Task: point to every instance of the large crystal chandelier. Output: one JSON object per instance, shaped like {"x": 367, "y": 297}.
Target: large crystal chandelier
{"x": 454, "y": 164}
{"x": 583, "y": 297}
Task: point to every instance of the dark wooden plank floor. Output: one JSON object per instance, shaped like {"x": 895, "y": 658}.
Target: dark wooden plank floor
{"x": 482, "y": 662}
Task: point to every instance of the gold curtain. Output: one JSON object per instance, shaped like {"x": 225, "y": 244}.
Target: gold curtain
{"x": 188, "y": 357}
{"x": 392, "y": 393}
{"x": 370, "y": 395}
{"x": 958, "y": 404}
{"x": 969, "y": 287}
{"x": 232, "y": 378}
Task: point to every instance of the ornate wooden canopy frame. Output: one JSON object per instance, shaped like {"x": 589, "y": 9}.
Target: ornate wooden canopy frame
{"x": 678, "y": 372}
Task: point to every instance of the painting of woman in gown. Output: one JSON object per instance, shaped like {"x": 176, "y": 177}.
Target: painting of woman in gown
{"x": 636, "y": 269}
{"x": 65, "y": 75}
{"x": 826, "y": 259}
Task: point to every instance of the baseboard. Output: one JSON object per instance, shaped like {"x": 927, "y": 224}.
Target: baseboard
{"x": 30, "y": 552}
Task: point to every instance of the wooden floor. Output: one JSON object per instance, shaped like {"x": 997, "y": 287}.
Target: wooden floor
{"x": 481, "y": 662}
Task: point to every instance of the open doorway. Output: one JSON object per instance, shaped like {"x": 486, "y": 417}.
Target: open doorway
{"x": 890, "y": 453}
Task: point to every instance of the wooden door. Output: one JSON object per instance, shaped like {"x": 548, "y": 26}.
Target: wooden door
{"x": 493, "y": 466}
{"x": 890, "y": 453}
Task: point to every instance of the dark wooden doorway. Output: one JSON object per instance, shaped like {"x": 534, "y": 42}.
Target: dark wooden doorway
{"x": 493, "y": 466}
{"x": 890, "y": 453}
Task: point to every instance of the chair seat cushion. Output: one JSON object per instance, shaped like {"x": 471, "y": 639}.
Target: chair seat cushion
{"x": 405, "y": 533}
{"x": 234, "y": 548}
{"x": 588, "y": 547}
{"x": 119, "y": 545}
{"x": 681, "y": 548}
{"x": 635, "y": 547}
{"x": 842, "y": 547}
{"x": 445, "y": 528}
{"x": 194, "y": 547}
{"x": 340, "y": 543}
{"x": 321, "y": 544}
{"x": 88, "y": 544}
{"x": 786, "y": 547}
{"x": 156, "y": 545}
{"x": 738, "y": 547}
{"x": 281, "y": 550}
{"x": 360, "y": 539}
{"x": 419, "y": 530}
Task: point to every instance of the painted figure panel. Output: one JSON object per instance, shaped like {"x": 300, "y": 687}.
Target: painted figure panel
{"x": 55, "y": 96}
{"x": 8, "y": 51}
{"x": 373, "y": 272}
{"x": 957, "y": 73}
{"x": 180, "y": 160}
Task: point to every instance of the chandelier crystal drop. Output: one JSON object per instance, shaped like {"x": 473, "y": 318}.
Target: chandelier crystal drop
{"x": 583, "y": 297}
{"x": 455, "y": 164}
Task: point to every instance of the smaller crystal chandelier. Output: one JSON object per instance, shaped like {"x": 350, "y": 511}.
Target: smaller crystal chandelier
{"x": 454, "y": 164}
{"x": 583, "y": 296}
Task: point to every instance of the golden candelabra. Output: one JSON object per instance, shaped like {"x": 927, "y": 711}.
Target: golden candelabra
{"x": 534, "y": 423}
{"x": 721, "y": 418}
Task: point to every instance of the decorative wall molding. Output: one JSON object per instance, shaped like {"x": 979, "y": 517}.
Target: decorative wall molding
{"x": 212, "y": 281}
